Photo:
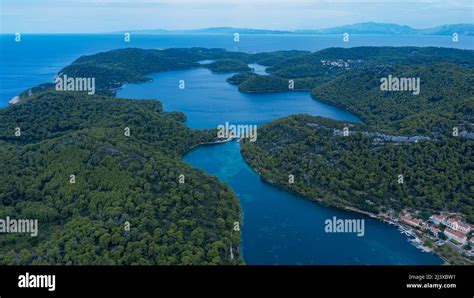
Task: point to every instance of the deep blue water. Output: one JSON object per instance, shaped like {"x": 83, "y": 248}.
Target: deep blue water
{"x": 282, "y": 228}
{"x": 279, "y": 227}
{"x": 37, "y": 58}
{"x": 208, "y": 100}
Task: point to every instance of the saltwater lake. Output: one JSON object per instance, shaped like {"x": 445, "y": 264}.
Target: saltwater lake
{"x": 278, "y": 227}
{"x": 38, "y": 58}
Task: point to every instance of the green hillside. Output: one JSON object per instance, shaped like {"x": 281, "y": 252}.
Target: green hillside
{"x": 118, "y": 179}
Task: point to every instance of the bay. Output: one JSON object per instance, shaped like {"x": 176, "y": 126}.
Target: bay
{"x": 279, "y": 227}
{"x": 38, "y": 57}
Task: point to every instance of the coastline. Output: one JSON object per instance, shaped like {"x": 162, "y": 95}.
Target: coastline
{"x": 323, "y": 202}
{"x": 273, "y": 91}
{"x": 347, "y": 208}
{"x": 206, "y": 144}
{"x": 14, "y": 100}
{"x": 317, "y": 200}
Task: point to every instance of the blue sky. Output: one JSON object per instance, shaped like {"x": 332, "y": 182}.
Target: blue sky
{"x": 81, "y": 16}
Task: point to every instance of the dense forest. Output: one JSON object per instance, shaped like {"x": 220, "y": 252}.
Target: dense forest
{"x": 368, "y": 57}
{"x": 131, "y": 65}
{"x": 135, "y": 178}
{"x": 228, "y": 65}
{"x": 362, "y": 171}
{"x": 446, "y": 98}
{"x": 255, "y": 83}
{"x": 125, "y": 156}
{"x": 118, "y": 179}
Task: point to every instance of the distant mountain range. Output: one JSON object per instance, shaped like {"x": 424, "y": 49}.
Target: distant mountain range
{"x": 360, "y": 28}
{"x": 215, "y": 30}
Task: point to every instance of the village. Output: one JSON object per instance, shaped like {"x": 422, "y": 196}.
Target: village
{"x": 442, "y": 229}
{"x": 336, "y": 63}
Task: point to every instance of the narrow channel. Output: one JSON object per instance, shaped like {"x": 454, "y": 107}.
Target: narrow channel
{"x": 278, "y": 227}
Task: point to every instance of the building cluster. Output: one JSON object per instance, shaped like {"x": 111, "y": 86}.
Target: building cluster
{"x": 336, "y": 63}
{"x": 455, "y": 228}
{"x": 451, "y": 226}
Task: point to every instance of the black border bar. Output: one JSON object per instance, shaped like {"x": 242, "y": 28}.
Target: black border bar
{"x": 209, "y": 281}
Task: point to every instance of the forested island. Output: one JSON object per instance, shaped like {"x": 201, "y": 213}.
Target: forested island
{"x": 135, "y": 178}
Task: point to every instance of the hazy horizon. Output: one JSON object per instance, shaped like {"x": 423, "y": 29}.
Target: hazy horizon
{"x": 234, "y": 27}
{"x": 105, "y": 16}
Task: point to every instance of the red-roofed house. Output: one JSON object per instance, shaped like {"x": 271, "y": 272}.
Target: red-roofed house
{"x": 408, "y": 219}
{"x": 456, "y": 235}
{"x": 434, "y": 231}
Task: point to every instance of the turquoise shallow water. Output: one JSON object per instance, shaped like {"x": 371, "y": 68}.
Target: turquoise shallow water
{"x": 282, "y": 228}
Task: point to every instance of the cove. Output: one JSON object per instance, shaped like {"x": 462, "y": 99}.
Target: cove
{"x": 279, "y": 227}
{"x": 39, "y": 57}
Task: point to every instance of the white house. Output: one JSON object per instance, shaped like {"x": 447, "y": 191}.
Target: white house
{"x": 456, "y": 235}
{"x": 438, "y": 218}
{"x": 457, "y": 225}
{"x": 451, "y": 222}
